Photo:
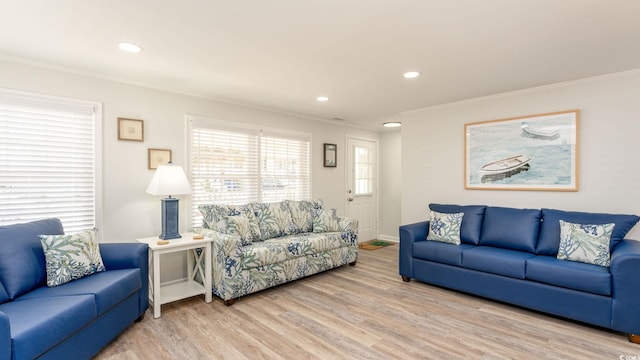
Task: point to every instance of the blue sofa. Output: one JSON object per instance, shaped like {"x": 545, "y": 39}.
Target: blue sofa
{"x": 70, "y": 321}
{"x": 509, "y": 255}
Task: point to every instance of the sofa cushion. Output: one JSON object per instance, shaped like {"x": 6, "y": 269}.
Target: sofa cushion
{"x": 216, "y": 217}
{"x": 39, "y": 324}
{"x": 239, "y": 225}
{"x": 301, "y": 214}
{"x": 550, "y": 228}
{"x": 445, "y": 227}
{"x": 109, "y": 288}
{"x": 22, "y": 264}
{"x": 585, "y": 243}
{"x": 471, "y": 221}
{"x": 274, "y": 219}
{"x": 70, "y": 257}
{"x": 568, "y": 274}
{"x": 508, "y": 228}
{"x": 325, "y": 220}
{"x": 496, "y": 261}
{"x": 276, "y": 250}
{"x": 439, "y": 252}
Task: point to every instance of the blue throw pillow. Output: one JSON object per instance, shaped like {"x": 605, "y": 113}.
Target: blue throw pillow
{"x": 471, "y": 221}
{"x": 22, "y": 262}
{"x": 550, "y": 230}
{"x": 508, "y": 228}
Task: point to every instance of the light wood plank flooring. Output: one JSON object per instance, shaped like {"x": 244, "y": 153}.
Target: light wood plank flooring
{"x": 361, "y": 312}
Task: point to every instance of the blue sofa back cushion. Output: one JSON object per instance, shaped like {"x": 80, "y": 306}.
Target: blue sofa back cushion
{"x": 508, "y": 228}
{"x": 550, "y": 229}
{"x": 22, "y": 263}
{"x": 471, "y": 221}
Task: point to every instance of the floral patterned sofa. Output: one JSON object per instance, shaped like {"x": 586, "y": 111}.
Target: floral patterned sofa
{"x": 260, "y": 245}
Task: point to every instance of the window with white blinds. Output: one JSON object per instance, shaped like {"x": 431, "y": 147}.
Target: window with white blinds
{"x": 47, "y": 160}
{"x": 235, "y": 165}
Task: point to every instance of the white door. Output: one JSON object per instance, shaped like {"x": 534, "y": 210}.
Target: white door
{"x": 362, "y": 203}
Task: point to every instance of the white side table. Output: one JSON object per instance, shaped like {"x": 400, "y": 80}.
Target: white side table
{"x": 162, "y": 293}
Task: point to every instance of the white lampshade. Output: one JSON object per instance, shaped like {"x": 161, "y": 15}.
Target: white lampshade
{"x": 169, "y": 180}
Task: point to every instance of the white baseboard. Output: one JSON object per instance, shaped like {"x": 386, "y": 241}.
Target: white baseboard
{"x": 388, "y": 238}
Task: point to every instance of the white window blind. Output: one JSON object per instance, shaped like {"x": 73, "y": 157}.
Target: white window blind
{"x": 47, "y": 160}
{"x": 235, "y": 165}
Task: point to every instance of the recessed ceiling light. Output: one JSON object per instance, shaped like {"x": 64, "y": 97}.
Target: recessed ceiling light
{"x": 128, "y": 47}
{"x": 392, "y": 124}
{"x": 411, "y": 74}
{"x": 322, "y": 98}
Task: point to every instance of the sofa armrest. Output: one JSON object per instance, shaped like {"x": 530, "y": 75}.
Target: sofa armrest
{"x": 409, "y": 234}
{"x": 226, "y": 262}
{"x": 129, "y": 256}
{"x": 625, "y": 282}
{"x": 349, "y": 230}
{"x": 124, "y": 255}
{"x": 5, "y": 337}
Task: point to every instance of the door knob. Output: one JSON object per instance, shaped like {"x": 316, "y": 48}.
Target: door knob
{"x": 350, "y": 199}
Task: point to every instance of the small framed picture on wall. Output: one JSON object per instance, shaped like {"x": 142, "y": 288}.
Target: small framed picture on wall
{"x": 330, "y": 155}
{"x": 158, "y": 157}
{"x": 130, "y": 129}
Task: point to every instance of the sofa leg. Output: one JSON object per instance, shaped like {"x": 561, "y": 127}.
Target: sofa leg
{"x": 634, "y": 338}
{"x": 406, "y": 278}
{"x": 353, "y": 263}
{"x": 141, "y": 317}
{"x": 229, "y": 302}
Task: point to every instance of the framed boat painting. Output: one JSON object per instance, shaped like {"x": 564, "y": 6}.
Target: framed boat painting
{"x": 536, "y": 152}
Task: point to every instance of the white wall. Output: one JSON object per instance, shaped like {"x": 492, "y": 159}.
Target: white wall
{"x": 390, "y": 174}
{"x": 609, "y": 173}
{"x": 130, "y": 213}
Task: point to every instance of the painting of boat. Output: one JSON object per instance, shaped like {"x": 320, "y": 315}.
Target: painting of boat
{"x": 539, "y": 133}
{"x": 504, "y": 168}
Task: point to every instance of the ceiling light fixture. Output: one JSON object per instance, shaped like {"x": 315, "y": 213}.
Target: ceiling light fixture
{"x": 392, "y": 124}
{"x": 322, "y": 98}
{"x": 411, "y": 74}
{"x": 128, "y": 47}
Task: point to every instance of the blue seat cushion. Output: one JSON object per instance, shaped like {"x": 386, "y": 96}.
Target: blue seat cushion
{"x": 22, "y": 265}
{"x": 441, "y": 252}
{"x": 508, "y": 228}
{"x": 39, "y": 324}
{"x": 496, "y": 261}
{"x": 471, "y": 221}
{"x": 550, "y": 229}
{"x": 569, "y": 274}
{"x": 109, "y": 288}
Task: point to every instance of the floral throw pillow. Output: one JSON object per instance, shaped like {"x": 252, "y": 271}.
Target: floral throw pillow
{"x": 70, "y": 257}
{"x": 274, "y": 219}
{"x": 216, "y": 217}
{"x": 302, "y": 214}
{"x": 445, "y": 227}
{"x": 239, "y": 225}
{"x": 325, "y": 220}
{"x": 585, "y": 243}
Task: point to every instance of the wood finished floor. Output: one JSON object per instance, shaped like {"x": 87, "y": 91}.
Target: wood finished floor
{"x": 361, "y": 312}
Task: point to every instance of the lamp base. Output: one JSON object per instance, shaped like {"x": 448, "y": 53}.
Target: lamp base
{"x": 170, "y": 218}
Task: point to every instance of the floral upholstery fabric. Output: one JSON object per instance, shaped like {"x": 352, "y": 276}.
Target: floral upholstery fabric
{"x": 274, "y": 219}
{"x": 239, "y": 225}
{"x": 71, "y": 257}
{"x": 288, "y": 247}
{"x": 325, "y": 220}
{"x": 240, "y": 270}
{"x": 301, "y": 214}
{"x": 216, "y": 217}
{"x": 585, "y": 243}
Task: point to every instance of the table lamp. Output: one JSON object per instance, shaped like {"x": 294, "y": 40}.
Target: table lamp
{"x": 169, "y": 180}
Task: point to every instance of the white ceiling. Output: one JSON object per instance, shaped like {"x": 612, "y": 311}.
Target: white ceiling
{"x": 282, "y": 54}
